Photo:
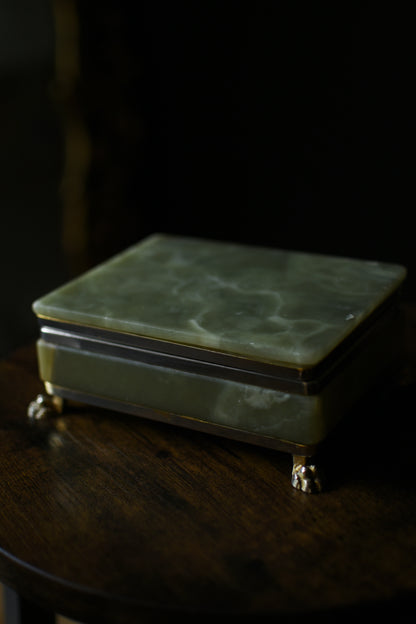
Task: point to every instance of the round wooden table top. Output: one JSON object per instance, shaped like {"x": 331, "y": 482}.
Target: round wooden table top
{"x": 104, "y": 517}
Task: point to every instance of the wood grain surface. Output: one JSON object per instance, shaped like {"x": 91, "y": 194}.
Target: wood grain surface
{"x": 105, "y": 517}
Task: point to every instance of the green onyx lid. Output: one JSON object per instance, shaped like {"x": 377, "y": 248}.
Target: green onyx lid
{"x": 281, "y": 307}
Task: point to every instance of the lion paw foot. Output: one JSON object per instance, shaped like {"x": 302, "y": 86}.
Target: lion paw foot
{"x": 306, "y": 477}
{"x": 44, "y": 406}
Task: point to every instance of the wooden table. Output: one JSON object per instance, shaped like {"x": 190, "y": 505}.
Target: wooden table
{"x": 109, "y": 518}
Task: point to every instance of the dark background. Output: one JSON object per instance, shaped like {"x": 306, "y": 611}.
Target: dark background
{"x": 290, "y": 125}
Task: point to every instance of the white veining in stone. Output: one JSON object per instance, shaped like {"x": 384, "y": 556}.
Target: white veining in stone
{"x": 278, "y": 306}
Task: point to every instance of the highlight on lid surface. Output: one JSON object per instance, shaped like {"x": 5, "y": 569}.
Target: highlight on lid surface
{"x": 271, "y": 305}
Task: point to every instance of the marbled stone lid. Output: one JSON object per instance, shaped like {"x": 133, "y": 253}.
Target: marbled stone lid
{"x": 282, "y": 307}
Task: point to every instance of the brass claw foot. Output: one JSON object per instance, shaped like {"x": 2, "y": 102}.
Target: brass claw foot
{"x": 305, "y": 476}
{"x": 43, "y": 406}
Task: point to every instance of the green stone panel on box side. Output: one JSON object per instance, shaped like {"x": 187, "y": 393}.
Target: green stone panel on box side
{"x": 277, "y": 306}
{"x": 266, "y": 412}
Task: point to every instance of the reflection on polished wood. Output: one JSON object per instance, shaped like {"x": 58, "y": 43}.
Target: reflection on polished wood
{"x": 106, "y": 517}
